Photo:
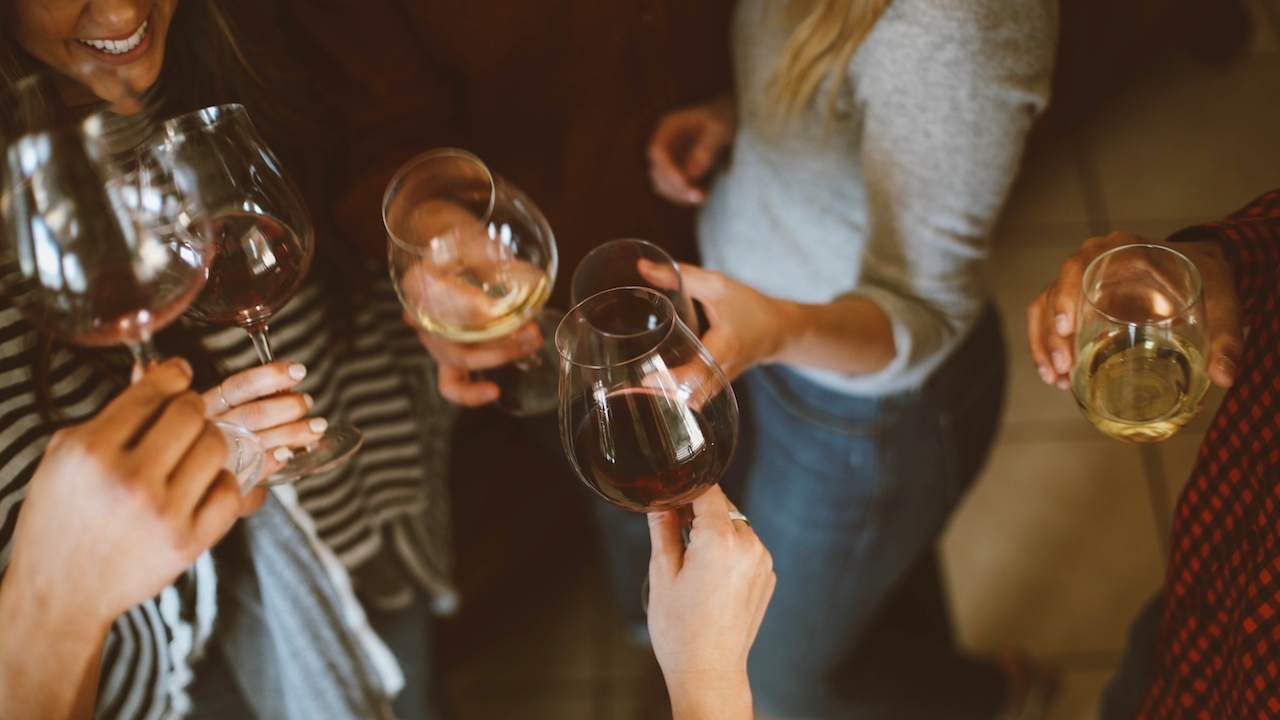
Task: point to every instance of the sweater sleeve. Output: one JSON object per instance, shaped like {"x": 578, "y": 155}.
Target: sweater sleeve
{"x": 390, "y": 98}
{"x": 948, "y": 99}
{"x": 1250, "y": 239}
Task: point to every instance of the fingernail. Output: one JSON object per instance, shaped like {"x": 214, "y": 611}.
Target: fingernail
{"x": 1060, "y": 362}
{"x": 1227, "y": 364}
{"x": 1062, "y": 325}
{"x": 1063, "y": 384}
{"x": 1046, "y": 374}
{"x": 318, "y": 425}
{"x": 491, "y": 394}
{"x": 310, "y": 401}
{"x": 282, "y": 454}
{"x": 297, "y": 371}
{"x": 185, "y": 366}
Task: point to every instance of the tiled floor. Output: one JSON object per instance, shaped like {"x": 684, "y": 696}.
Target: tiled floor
{"x": 1065, "y": 535}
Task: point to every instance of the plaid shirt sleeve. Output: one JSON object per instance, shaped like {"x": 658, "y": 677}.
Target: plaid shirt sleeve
{"x": 1250, "y": 238}
{"x": 1218, "y": 654}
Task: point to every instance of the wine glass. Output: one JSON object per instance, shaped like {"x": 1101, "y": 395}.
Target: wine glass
{"x": 473, "y": 259}
{"x": 240, "y": 200}
{"x": 1141, "y": 344}
{"x": 83, "y": 259}
{"x": 632, "y": 263}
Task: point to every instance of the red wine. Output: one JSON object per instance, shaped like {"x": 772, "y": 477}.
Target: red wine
{"x": 642, "y": 450}
{"x": 258, "y": 264}
{"x": 117, "y": 307}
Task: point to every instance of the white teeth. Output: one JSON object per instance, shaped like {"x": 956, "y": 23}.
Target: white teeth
{"x": 118, "y": 47}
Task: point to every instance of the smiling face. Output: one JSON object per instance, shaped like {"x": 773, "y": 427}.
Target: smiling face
{"x": 122, "y": 37}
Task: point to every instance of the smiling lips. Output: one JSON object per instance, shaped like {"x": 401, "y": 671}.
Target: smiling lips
{"x": 119, "y": 47}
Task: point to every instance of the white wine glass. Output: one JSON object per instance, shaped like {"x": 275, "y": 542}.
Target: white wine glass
{"x": 1141, "y": 344}
{"x": 473, "y": 259}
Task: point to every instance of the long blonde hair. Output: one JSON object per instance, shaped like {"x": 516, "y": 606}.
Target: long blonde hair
{"x": 824, "y": 35}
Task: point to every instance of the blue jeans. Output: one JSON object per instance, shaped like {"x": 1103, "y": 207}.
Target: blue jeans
{"x": 849, "y": 494}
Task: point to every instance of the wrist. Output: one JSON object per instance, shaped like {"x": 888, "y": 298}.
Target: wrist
{"x": 788, "y": 329}
{"x": 710, "y": 696}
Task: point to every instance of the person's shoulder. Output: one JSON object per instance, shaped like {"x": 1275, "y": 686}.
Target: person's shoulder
{"x": 964, "y": 21}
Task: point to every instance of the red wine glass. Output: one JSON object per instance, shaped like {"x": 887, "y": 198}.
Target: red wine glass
{"x": 646, "y": 417}
{"x": 89, "y": 254}
{"x": 245, "y": 205}
{"x": 632, "y": 263}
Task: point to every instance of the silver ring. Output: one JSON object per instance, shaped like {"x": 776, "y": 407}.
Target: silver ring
{"x": 735, "y": 515}
{"x": 223, "y": 398}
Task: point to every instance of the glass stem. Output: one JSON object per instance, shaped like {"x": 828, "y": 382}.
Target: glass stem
{"x": 144, "y": 356}
{"x": 261, "y": 343}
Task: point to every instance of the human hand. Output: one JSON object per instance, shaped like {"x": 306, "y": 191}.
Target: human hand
{"x": 456, "y": 361}
{"x": 706, "y": 602}
{"x": 122, "y": 504}
{"x": 686, "y": 145}
{"x": 259, "y": 399}
{"x": 745, "y": 326}
{"x": 1052, "y": 317}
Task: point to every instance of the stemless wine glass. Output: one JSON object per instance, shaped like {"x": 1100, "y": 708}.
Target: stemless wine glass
{"x": 632, "y": 263}
{"x": 84, "y": 260}
{"x": 1141, "y": 345}
{"x": 473, "y": 259}
{"x": 240, "y": 199}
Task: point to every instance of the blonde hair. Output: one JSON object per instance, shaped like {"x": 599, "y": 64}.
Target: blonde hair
{"x": 824, "y": 35}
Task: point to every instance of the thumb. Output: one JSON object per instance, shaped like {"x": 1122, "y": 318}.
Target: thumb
{"x": 668, "y": 543}
{"x": 1228, "y": 339}
{"x": 704, "y": 286}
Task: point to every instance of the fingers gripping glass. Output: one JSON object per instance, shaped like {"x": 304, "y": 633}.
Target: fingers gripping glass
{"x": 472, "y": 260}
{"x": 1141, "y": 344}
{"x": 89, "y": 253}
{"x": 633, "y": 263}
{"x": 647, "y": 419}
{"x": 241, "y": 201}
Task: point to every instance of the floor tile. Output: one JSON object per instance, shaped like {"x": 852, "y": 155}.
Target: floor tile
{"x": 1264, "y": 33}
{"x": 558, "y": 643}
{"x": 547, "y": 708}
{"x": 1025, "y": 261}
{"x": 1054, "y": 549}
{"x": 1048, "y": 190}
{"x": 1188, "y": 141}
{"x": 1078, "y": 695}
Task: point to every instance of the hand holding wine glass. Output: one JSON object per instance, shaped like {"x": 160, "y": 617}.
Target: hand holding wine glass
{"x": 1052, "y": 317}
{"x": 632, "y": 263}
{"x": 473, "y": 260}
{"x": 240, "y": 201}
{"x": 706, "y": 603}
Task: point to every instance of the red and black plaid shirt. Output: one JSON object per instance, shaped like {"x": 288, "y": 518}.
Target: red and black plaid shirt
{"x": 1218, "y": 655}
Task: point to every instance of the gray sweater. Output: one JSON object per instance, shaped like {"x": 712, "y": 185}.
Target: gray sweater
{"x": 895, "y": 199}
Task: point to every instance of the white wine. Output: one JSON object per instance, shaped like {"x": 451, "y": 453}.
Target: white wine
{"x": 1139, "y": 385}
{"x": 464, "y": 309}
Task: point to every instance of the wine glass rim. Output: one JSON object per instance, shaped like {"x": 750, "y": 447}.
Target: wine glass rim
{"x": 1183, "y": 310}
{"x": 412, "y": 164}
{"x": 573, "y": 282}
{"x": 205, "y": 118}
{"x": 670, "y": 322}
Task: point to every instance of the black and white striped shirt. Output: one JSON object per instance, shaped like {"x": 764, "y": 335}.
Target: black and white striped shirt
{"x": 389, "y": 500}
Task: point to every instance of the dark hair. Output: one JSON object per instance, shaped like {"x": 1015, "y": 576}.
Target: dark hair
{"x": 207, "y": 62}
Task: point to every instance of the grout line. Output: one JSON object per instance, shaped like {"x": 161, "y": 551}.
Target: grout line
{"x": 1090, "y": 184}
{"x": 1273, "y": 16}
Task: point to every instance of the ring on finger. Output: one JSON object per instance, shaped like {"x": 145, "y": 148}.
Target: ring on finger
{"x": 735, "y": 515}
{"x": 223, "y": 398}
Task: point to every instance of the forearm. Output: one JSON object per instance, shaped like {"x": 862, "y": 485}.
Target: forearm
{"x": 49, "y": 660}
{"x": 849, "y": 335}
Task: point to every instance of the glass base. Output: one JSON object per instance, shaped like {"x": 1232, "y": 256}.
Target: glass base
{"x": 245, "y": 454}
{"x": 339, "y": 443}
